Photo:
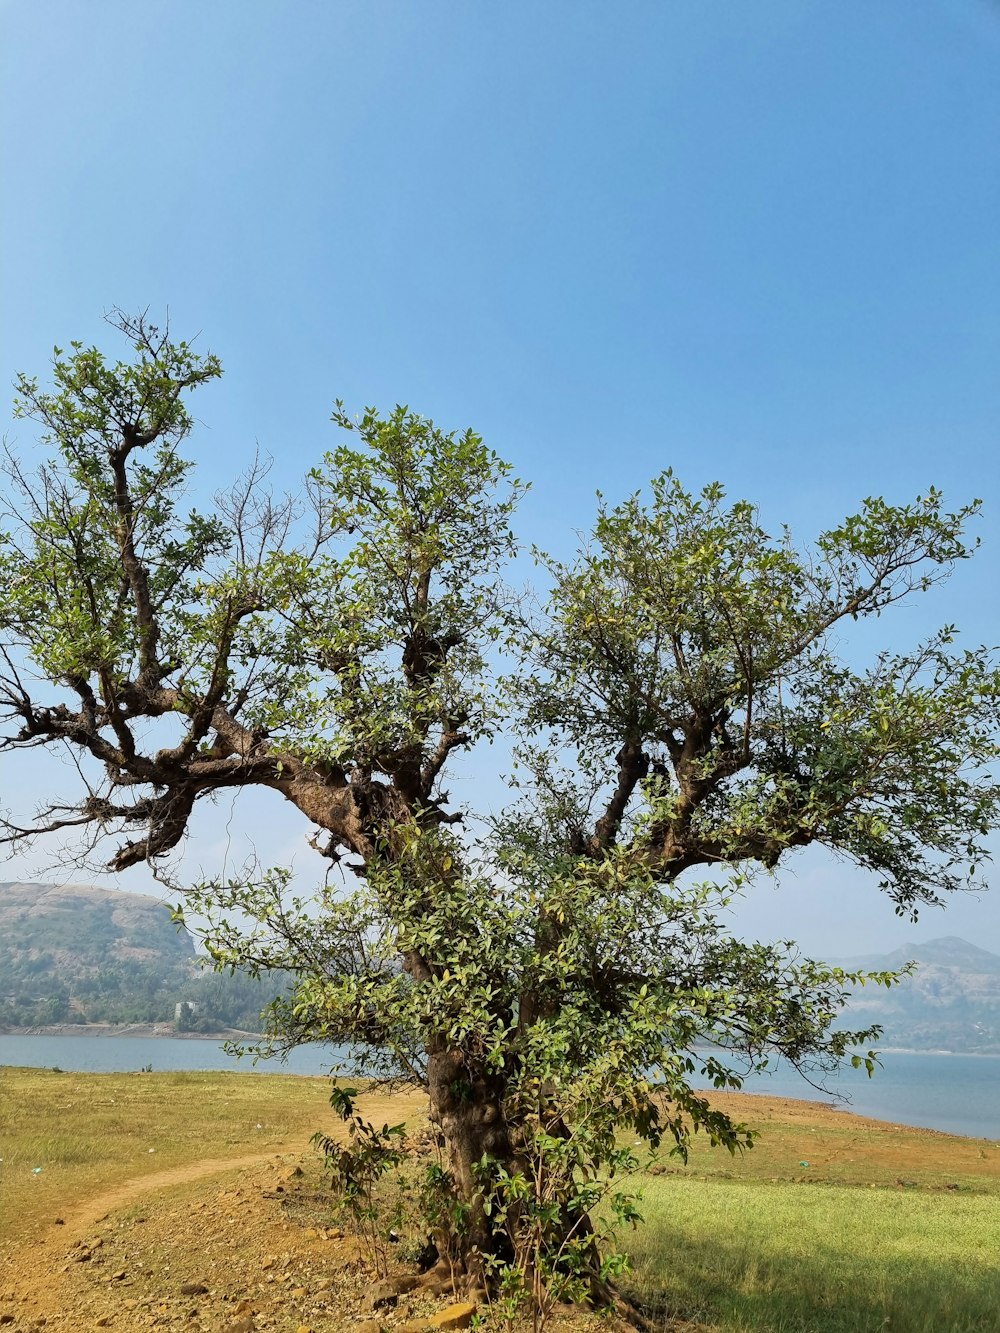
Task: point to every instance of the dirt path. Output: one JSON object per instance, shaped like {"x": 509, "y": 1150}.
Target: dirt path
{"x": 82, "y": 1270}
{"x": 79, "y": 1220}
{"x": 39, "y": 1277}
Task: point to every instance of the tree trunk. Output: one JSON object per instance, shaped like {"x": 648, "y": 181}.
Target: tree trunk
{"x": 468, "y": 1110}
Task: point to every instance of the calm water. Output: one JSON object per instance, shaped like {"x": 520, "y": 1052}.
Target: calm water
{"x": 959, "y": 1094}
{"x": 122, "y": 1055}
{"x": 956, "y": 1093}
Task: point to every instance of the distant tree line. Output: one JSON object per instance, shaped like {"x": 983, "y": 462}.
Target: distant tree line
{"x": 31, "y": 995}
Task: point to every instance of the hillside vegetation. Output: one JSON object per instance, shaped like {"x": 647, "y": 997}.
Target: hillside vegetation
{"x": 75, "y": 953}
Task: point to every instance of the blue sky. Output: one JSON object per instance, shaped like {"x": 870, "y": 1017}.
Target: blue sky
{"x": 758, "y": 242}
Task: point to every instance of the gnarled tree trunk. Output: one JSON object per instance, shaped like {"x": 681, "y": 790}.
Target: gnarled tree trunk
{"x": 468, "y": 1110}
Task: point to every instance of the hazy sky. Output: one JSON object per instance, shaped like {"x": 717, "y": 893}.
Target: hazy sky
{"x": 754, "y": 242}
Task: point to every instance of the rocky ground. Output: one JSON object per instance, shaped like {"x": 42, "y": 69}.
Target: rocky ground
{"x": 241, "y": 1251}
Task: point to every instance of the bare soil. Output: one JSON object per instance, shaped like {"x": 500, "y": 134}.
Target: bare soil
{"x": 219, "y": 1243}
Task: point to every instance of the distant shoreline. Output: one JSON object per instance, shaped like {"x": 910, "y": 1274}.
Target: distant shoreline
{"x": 935, "y": 1050}
{"x": 128, "y": 1030}
{"x": 160, "y": 1030}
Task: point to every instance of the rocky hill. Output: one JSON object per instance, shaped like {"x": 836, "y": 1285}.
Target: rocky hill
{"x": 83, "y": 927}
{"x": 75, "y": 953}
{"x": 952, "y": 1002}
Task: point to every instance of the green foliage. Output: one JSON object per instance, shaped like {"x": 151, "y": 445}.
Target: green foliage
{"x": 64, "y": 567}
{"x": 357, "y": 1168}
{"x": 686, "y": 632}
{"x": 395, "y": 606}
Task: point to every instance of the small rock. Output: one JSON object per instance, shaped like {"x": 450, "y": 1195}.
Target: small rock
{"x": 103, "y": 1321}
{"x": 299, "y": 1294}
{"x": 382, "y": 1296}
{"x": 243, "y": 1325}
{"x": 193, "y": 1289}
{"x": 117, "y": 1277}
{"x": 404, "y": 1283}
{"x": 454, "y": 1316}
{"x": 369, "y": 1326}
{"x": 6, "y": 1318}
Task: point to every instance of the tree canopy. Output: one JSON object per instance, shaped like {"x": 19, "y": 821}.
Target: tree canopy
{"x": 678, "y": 706}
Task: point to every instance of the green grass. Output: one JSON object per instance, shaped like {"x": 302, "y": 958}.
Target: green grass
{"x": 794, "y": 1258}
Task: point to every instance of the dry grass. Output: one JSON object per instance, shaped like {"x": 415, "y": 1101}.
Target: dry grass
{"x": 840, "y": 1149}
{"x": 66, "y": 1137}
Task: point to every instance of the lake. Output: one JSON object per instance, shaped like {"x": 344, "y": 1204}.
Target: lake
{"x": 959, "y": 1094}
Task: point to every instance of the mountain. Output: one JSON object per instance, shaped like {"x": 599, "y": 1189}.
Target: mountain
{"x": 76, "y": 953}
{"x": 83, "y": 927}
{"x": 951, "y": 1002}
{"x": 949, "y": 951}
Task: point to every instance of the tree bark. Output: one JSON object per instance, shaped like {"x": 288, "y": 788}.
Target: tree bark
{"x": 468, "y": 1110}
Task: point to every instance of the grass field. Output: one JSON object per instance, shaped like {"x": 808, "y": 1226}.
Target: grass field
{"x": 796, "y": 1258}
{"x": 832, "y": 1224}
{"x": 65, "y": 1137}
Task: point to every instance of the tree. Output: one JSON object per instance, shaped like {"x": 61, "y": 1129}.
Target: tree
{"x": 549, "y": 972}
